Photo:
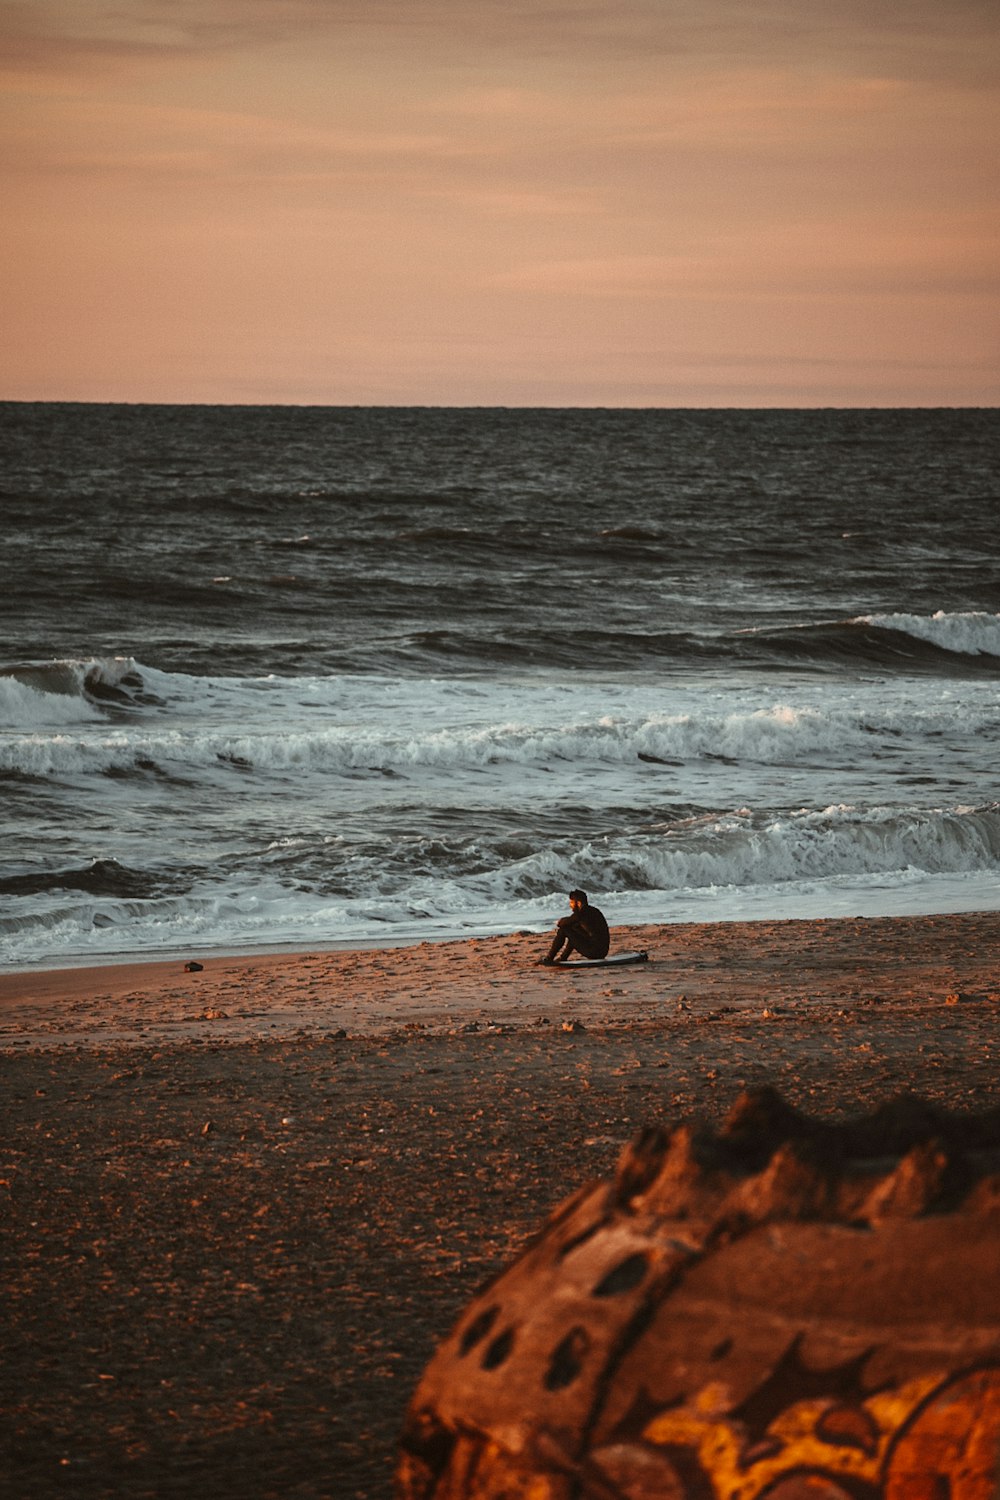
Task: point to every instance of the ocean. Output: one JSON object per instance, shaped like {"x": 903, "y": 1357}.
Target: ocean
{"x": 305, "y": 676}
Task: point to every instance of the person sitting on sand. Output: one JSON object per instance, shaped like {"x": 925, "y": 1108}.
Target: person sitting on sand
{"x": 584, "y": 931}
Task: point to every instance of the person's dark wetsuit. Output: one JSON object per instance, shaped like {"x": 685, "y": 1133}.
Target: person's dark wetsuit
{"x": 584, "y": 931}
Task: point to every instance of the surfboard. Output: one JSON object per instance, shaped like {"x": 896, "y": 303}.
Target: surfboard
{"x": 612, "y": 961}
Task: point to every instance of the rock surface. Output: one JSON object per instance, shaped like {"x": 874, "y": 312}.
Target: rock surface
{"x": 783, "y": 1308}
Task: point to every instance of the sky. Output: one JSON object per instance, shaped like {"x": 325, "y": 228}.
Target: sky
{"x": 672, "y": 203}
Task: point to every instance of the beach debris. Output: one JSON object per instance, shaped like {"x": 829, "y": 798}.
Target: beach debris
{"x": 573, "y": 1026}
{"x": 193, "y": 967}
{"x": 780, "y": 1306}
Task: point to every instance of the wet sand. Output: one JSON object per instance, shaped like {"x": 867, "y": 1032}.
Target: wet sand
{"x": 241, "y": 1203}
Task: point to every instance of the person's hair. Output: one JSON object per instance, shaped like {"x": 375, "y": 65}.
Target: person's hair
{"x": 578, "y": 896}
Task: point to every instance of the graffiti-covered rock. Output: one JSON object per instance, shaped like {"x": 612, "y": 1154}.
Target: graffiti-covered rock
{"x": 781, "y": 1308}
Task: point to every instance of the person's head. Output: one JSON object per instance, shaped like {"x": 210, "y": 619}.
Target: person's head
{"x": 577, "y": 898}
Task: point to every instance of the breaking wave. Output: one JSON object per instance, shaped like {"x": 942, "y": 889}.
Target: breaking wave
{"x": 778, "y": 735}
{"x": 306, "y": 887}
{"x": 890, "y": 642}
{"x": 47, "y": 694}
{"x": 974, "y": 633}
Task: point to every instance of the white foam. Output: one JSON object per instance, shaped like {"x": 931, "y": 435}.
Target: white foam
{"x": 840, "y": 791}
{"x": 26, "y": 707}
{"x": 47, "y": 695}
{"x": 971, "y": 633}
{"x": 836, "y": 862}
{"x": 782, "y": 734}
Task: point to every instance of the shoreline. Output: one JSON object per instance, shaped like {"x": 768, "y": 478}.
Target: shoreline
{"x": 440, "y": 986}
{"x": 769, "y": 907}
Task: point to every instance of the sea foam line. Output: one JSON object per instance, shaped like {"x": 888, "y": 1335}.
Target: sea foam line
{"x": 780, "y": 734}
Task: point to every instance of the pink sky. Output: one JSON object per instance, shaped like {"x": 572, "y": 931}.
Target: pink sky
{"x": 516, "y": 202}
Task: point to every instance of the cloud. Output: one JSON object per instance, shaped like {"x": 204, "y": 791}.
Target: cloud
{"x": 806, "y": 261}
{"x": 225, "y": 184}
{"x": 152, "y": 145}
{"x": 38, "y": 33}
{"x": 919, "y": 39}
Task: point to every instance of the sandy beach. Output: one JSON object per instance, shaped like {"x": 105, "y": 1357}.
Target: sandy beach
{"x": 241, "y": 1202}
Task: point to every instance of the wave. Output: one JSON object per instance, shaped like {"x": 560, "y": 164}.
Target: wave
{"x": 741, "y": 849}
{"x": 492, "y": 642}
{"x": 974, "y": 633}
{"x": 85, "y": 689}
{"x": 891, "y": 642}
{"x": 104, "y": 877}
{"x": 45, "y": 694}
{"x": 331, "y": 890}
{"x": 780, "y": 735}
{"x": 733, "y": 849}
{"x": 642, "y": 534}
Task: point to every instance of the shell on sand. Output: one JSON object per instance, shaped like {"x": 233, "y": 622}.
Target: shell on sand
{"x": 782, "y": 1308}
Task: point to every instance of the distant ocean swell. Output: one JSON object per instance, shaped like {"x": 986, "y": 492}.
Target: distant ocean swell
{"x": 969, "y": 635}
{"x": 965, "y": 641}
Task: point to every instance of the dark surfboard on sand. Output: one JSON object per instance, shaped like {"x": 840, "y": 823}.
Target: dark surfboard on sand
{"x": 611, "y": 962}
